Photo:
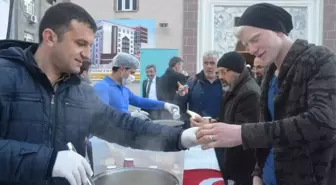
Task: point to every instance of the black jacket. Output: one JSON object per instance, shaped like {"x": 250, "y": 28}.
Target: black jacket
{"x": 144, "y": 86}
{"x": 240, "y": 105}
{"x": 168, "y": 85}
{"x": 36, "y": 121}
{"x": 167, "y": 90}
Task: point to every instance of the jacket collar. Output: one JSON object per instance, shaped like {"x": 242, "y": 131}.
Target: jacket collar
{"x": 243, "y": 77}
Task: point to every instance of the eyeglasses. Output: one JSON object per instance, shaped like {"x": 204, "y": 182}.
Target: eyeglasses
{"x": 222, "y": 71}
{"x": 258, "y": 67}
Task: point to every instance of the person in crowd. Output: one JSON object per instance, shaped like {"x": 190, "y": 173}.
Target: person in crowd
{"x": 44, "y": 105}
{"x": 84, "y": 72}
{"x": 205, "y": 90}
{"x": 169, "y": 84}
{"x": 150, "y": 89}
{"x": 298, "y": 104}
{"x": 259, "y": 69}
{"x": 113, "y": 91}
{"x": 240, "y": 105}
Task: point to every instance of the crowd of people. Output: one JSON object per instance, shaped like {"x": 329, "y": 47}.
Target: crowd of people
{"x": 270, "y": 120}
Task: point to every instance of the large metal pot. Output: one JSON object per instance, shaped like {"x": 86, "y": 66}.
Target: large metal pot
{"x": 135, "y": 176}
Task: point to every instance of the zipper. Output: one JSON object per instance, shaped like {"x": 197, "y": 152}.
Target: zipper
{"x": 53, "y": 119}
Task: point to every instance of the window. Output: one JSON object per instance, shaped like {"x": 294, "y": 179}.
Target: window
{"x": 29, "y": 37}
{"x": 125, "y": 46}
{"x": 127, "y": 5}
{"x": 29, "y": 6}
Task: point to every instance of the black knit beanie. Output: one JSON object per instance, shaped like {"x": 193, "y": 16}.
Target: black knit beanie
{"x": 267, "y": 16}
{"x": 232, "y": 61}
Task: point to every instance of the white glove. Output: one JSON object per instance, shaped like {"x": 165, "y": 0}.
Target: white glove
{"x": 72, "y": 166}
{"x": 171, "y": 107}
{"x": 140, "y": 114}
{"x": 188, "y": 137}
{"x": 257, "y": 180}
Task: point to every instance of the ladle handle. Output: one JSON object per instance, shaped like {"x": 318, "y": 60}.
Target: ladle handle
{"x": 72, "y": 148}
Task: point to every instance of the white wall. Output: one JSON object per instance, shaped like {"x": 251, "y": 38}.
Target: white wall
{"x": 4, "y": 15}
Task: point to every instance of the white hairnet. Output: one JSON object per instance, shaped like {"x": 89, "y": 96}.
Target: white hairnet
{"x": 125, "y": 60}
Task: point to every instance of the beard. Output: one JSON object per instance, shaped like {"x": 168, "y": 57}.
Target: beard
{"x": 259, "y": 80}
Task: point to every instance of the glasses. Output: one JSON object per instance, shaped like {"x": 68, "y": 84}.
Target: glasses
{"x": 222, "y": 71}
{"x": 258, "y": 67}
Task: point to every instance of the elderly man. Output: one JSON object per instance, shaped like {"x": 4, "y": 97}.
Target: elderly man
{"x": 240, "y": 105}
{"x": 205, "y": 89}
{"x": 298, "y": 122}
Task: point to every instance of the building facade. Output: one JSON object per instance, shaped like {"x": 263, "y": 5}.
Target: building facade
{"x": 111, "y": 39}
{"x": 191, "y": 26}
{"x": 314, "y": 20}
{"x": 168, "y": 16}
{"x": 26, "y": 16}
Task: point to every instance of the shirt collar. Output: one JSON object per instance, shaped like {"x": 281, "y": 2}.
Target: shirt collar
{"x": 110, "y": 81}
{"x": 153, "y": 80}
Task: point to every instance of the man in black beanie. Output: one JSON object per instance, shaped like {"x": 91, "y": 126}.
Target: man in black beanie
{"x": 298, "y": 103}
{"x": 239, "y": 105}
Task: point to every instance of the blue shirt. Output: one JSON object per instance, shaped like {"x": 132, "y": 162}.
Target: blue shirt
{"x": 268, "y": 171}
{"x": 120, "y": 97}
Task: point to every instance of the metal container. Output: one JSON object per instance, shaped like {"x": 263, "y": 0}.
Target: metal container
{"x": 168, "y": 122}
{"x": 135, "y": 176}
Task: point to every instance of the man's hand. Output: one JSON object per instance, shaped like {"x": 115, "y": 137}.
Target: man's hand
{"x": 219, "y": 135}
{"x": 188, "y": 137}
{"x": 140, "y": 114}
{"x": 257, "y": 180}
{"x": 171, "y": 108}
{"x": 72, "y": 166}
{"x": 181, "y": 91}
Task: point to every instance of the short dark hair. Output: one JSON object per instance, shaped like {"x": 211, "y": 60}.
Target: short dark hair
{"x": 115, "y": 69}
{"x": 85, "y": 66}
{"x": 151, "y": 66}
{"x": 173, "y": 61}
{"x": 59, "y": 16}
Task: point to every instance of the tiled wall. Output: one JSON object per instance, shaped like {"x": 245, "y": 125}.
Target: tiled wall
{"x": 190, "y": 35}
{"x": 329, "y": 24}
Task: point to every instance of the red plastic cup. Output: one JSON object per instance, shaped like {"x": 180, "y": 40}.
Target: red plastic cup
{"x": 128, "y": 162}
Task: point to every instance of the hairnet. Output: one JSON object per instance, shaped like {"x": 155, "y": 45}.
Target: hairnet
{"x": 125, "y": 60}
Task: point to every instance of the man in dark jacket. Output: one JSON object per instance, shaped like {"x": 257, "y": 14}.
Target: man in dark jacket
{"x": 240, "y": 104}
{"x": 169, "y": 84}
{"x": 150, "y": 90}
{"x": 84, "y": 72}
{"x": 205, "y": 90}
{"x": 298, "y": 122}
{"x": 44, "y": 105}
